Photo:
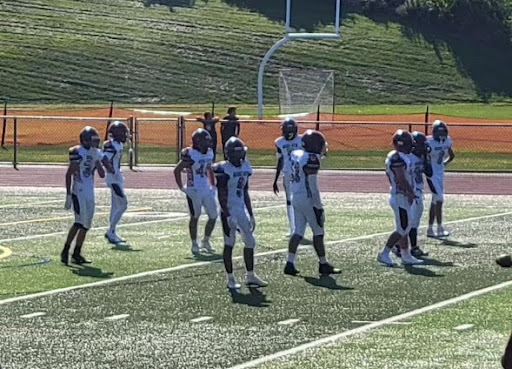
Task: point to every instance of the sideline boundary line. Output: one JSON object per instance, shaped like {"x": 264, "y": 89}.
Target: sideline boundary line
{"x": 210, "y": 262}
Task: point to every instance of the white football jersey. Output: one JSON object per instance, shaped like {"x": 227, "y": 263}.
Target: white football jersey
{"x": 83, "y": 180}
{"x": 303, "y": 184}
{"x": 199, "y": 164}
{"x": 237, "y": 178}
{"x": 113, "y": 151}
{"x": 396, "y": 159}
{"x": 417, "y": 168}
{"x": 438, "y": 153}
{"x": 285, "y": 148}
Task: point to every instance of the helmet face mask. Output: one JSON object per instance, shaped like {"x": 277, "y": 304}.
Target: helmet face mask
{"x": 118, "y": 131}
{"x": 236, "y": 151}
{"x": 420, "y": 145}
{"x": 314, "y": 142}
{"x": 89, "y": 137}
{"x": 439, "y": 131}
{"x": 402, "y": 141}
{"x": 289, "y": 129}
{"x": 201, "y": 140}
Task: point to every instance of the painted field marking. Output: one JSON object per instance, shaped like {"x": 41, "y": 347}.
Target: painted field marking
{"x": 373, "y": 321}
{"x": 366, "y": 328}
{"x": 288, "y": 321}
{"x": 28, "y": 205}
{"x": 6, "y": 252}
{"x": 463, "y": 327}
{"x": 32, "y": 315}
{"x": 201, "y": 319}
{"x": 216, "y": 261}
{"x": 42, "y": 220}
{"x": 117, "y": 317}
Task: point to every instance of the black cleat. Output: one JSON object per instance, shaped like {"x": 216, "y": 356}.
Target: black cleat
{"x": 326, "y": 269}
{"x": 64, "y": 257}
{"x": 397, "y": 251}
{"x": 418, "y": 253}
{"x": 290, "y": 269}
{"x": 79, "y": 259}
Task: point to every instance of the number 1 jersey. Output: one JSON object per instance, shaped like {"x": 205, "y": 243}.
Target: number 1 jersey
{"x": 236, "y": 179}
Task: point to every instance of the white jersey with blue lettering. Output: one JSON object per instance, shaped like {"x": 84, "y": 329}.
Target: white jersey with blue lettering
{"x": 417, "y": 168}
{"x": 284, "y": 150}
{"x": 236, "y": 178}
{"x": 438, "y": 153}
{"x": 304, "y": 185}
{"x": 83, "y": 179}
{"x": 396, "y": 159}
{"x": 199, "y": 165}
{"x": 113, "y": 151}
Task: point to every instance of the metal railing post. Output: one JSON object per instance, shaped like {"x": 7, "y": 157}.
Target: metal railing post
{"x": 132, "y": 152}
{"x": 137, "y": 141}
{"x": 15, "y": 144}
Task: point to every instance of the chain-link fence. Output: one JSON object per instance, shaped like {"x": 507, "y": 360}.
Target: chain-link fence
{"x": 158, "y": 141}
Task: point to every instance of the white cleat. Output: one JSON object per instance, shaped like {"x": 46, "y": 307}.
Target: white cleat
{"x": 207, "y": 246}
{"x": 195, "y": 249}
{"x": 385, "y": 259}
{"x": 441, "y": 232}
{"x": 112, "y": 238}
{"x": 255, "y": 281}
{"x": 232, "y": 285}
{"x": 430, "y": 232}
{"x": 411, "y": 260}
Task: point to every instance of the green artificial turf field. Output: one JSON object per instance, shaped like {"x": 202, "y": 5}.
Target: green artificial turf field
{"x": 184, "y": 317}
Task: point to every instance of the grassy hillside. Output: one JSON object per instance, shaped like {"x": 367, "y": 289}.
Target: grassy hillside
{"x": 135, "y": 51}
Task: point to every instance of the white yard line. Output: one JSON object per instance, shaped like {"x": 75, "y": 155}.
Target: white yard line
{"x": 32, "y": 315}
{"x": 288, "y": 321}
{"x": 372, "y": 321}
{"x": 463, "y": 327}
{"x": 366, "y": 328}
{"x": 201, "y": 319}
{"x": 117, "y": 317}
{"x": 30, "y": 204}
{"x": 202, "y": 263}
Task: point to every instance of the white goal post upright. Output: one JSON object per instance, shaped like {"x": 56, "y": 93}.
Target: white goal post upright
{"x": 294, "y": 36}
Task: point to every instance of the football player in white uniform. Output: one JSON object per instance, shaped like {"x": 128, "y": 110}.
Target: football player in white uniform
{"x": 200, "y": 189}
{"x": 399, "y": 172}
{"x": 285, "y": 145}
{"x": 441, "y": 154}
{"x": 236, "y": 210}
{"x": 83, "y": 161}
{"x": 112, "y": 158}
{"x": 306, "y": 201}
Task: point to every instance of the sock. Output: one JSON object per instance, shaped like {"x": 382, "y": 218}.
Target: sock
{"x": 250, "y": 274}
{"x": 406, "y": 253}
{"x": 66, "y": 248}
{"x": 194, "y": 242}
{"x": 291, "y": 218}
{"x": 291, "y": 258}
{"x": 231, "y": 277}
{"x": 386, "y": 251}
{"x": 323, "y": 260}
{"x": 206, "y": 238}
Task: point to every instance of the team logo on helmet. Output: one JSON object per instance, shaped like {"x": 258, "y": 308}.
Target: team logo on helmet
{"x": 201, "y": 140}
{"x": 402, "y": 141}
{"x": 89, "y": 137}
{"x": 236, "y": 151}
{"x": 439, "y": 130}
{"x": 118, "y": 131}
{"x": 314, "y": 142}
{"x": 420, "y": 146}
{"x": 289, "y": 129}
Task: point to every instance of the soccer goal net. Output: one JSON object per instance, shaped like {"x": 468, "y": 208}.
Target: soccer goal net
{"x": 303, "y": 91}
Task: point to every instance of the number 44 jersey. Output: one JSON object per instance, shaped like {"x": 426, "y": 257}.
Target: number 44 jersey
{"x": 199, "y": 164}
{"x": 438, "y": 152}
{"x": 236, "y": 179}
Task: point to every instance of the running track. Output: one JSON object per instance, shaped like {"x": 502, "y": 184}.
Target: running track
{"x": 330, "y": 181}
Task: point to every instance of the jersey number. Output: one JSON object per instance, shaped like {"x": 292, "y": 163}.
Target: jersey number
{"x": 440, "y": 159}
{"x": 295, "y": 172}
{"x": 201, "y": 171}
{"x": 88, "y": 166}
{"x": 240, "y": 186}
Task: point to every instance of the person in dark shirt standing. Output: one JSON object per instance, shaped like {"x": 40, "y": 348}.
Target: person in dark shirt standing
{"x": 209, "y": 123}
{"x": 230, "y": 127}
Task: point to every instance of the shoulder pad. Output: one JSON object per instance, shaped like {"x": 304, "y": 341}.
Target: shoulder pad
{"x": 109, "y": 147}
{"x": 218, "y": 168}
{"x": 186, "y": 155}
{"x": 395, "y": 160}
{"x": 74, "y": 154}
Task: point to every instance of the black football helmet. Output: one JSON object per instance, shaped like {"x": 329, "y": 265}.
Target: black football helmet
{"x": 439, "y": 130}
{"x": 289, "y": 129}
{"x": 201, "y": 140}
{"x": 419, "y": 146}
{"x": 235, "y": 150}
{"x": 314, "y": 142}
{"x": 118, "y": 131}
{"x": 89, "y": 137}
{"x": 402, "y": 141}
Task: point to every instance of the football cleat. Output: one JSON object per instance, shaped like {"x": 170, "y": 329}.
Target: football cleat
{"x": 410, "y": 260}
{"x": 112, "y": 238}
{"x": 385, "y": 259}
{"x": 290, "y": 269}
{"x": 207, "y": 246}
{"x": 418, "y": 253}
{"x": 195, "y": 249}
{"x": 430, "y": 232}
{"x": 232, "y": 285}
{"x": 79, "y": 259}
{"x": 504, "y": 261}
{"x": 255, "y": 281}
{"x": 326, "y": 269}
{"x": 64, "y": 257}
{"x": 397, "y": 251}
{"x": 441, "y": 232}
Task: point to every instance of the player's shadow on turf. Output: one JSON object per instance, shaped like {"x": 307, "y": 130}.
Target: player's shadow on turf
{"x": 326, "y": 281}
{"x": 455, "y": 243}
{"x": 206, "y": 257}
{"x": 89, "y": 271}
{"x": 125, "y": 247}
{"x": 439, "y": 263}
{"x": 411, "y": 269}
{"x": 254, "y": 298}
{"x": 306, "y": 242}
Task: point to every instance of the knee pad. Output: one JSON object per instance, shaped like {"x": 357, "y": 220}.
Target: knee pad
{"x": 249, "y": 242}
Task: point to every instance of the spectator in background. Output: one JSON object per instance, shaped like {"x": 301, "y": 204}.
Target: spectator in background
{"x": 230, "y": 127}
{"x": 209, "y": 124}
